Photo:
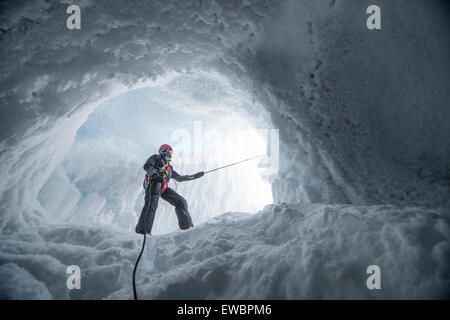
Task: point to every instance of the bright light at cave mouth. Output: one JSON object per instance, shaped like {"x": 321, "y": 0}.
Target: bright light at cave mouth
{"x": 205, "y": 119}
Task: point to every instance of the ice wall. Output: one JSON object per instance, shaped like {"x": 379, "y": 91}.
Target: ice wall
{"x": 363, "y": 113}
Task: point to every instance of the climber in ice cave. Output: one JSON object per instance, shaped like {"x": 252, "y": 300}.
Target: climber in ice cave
{"x": 159, "y": 172}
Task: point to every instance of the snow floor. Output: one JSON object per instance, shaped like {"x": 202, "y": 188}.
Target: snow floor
{"x": 282, "y": 252}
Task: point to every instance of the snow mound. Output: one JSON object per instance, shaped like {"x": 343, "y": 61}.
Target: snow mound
{"x": 105, "y": 257}
{"x": 17, "y": 282}
{"x": 302, "y": 252}
{"x": 285, "y": 251}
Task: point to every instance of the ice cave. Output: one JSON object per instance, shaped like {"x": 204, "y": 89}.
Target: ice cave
{"x": 352, "y": 126}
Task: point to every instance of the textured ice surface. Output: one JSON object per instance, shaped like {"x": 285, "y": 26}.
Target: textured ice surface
{"x": 283, "y": 252}
{"x": 363, "y": 118}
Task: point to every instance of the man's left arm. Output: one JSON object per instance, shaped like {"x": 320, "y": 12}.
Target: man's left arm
{"x": 189, "y": 177}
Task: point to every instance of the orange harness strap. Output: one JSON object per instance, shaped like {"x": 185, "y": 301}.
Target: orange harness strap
{"x": 148, "y": 180}
{"x": 166, "y": 170}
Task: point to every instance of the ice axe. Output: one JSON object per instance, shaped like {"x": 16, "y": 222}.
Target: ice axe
{"x": 229, "y": 165}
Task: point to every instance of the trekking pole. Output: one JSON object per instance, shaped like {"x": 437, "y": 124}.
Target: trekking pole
{"x": 229, "y": 165}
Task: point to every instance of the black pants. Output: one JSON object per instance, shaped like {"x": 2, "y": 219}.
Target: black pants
{"x": 152, "y": 195}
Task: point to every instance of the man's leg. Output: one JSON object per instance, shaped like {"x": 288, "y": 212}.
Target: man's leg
{"x": 181, "y": 208}
{"x": 148, "y": 211}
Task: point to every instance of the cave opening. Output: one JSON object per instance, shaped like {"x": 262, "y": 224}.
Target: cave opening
{"x": 208, "y": 121}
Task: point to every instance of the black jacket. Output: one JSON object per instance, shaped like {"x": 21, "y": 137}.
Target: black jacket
{"x": 155, "y": 164}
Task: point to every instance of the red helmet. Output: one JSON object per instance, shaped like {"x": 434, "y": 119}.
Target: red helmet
{"x": 164, "y": 148}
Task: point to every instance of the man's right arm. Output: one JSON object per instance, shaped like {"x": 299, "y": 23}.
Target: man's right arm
{"x": 149, "y": 166}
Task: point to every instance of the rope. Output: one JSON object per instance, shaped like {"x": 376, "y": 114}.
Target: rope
{"x": 142, "y": 250}
{"x": 137, "y": 262}
{"x": 229, "y": 165}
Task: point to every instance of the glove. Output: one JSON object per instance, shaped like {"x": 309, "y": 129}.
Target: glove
{"x": 199, "y": 175}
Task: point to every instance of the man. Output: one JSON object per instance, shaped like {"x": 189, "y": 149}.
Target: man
{"x": 159, "y": 172}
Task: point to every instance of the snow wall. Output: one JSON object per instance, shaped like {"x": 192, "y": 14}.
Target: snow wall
{"x": 363, "y": 115}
